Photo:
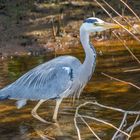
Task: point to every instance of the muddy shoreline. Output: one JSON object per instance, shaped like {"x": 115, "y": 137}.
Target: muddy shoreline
{"x": 39, "y": 27}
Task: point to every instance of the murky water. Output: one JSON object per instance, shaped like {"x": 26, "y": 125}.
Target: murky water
{"x": 20, "y": 125}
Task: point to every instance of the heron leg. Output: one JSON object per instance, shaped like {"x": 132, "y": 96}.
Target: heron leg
{"x": 34, "y": 112}
{"x": 58, "y": 102}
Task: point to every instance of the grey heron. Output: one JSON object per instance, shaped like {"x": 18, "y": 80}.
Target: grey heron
{"x": 60, "y": 77}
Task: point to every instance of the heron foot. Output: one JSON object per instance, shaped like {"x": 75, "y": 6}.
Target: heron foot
{"x": 54, "y": 120}
{"x": 35, "y": 115}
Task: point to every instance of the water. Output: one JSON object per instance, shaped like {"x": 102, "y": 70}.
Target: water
{"x": 20, "y": 125}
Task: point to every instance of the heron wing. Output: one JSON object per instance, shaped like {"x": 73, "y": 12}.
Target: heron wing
{"x": 48, "y": 80}
{"x": 42, "y": 83}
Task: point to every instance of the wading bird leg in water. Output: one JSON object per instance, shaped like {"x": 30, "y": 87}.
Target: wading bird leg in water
{"x": 58, "y": 102}
{"x": 34, "y": 112}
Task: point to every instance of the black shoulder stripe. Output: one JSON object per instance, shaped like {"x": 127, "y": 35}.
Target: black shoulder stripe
{"x": 71, "y": 74}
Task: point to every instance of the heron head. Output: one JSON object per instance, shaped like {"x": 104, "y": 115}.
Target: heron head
{"x": 97, "y": 25}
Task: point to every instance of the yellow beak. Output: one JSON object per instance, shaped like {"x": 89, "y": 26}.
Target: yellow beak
{"x": 110, "y": 25}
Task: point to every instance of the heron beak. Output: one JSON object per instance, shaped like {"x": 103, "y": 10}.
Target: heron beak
{"x": 111, "y": 25}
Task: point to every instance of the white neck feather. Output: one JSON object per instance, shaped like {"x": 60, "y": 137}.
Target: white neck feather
{"x": 90, "y": 55}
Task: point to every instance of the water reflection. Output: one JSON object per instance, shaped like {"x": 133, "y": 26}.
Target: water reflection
{"x": 52, "y": 132}
{"x": 113, "y": 60}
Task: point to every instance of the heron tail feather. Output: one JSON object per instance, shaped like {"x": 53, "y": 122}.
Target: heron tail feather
{"x": 3, "y": 97}
{"x": 4, "y": 94}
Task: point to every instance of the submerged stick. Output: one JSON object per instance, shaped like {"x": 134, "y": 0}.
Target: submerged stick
{"x": 132, "y": 70}
{"x": 121, "y": 125}
{"x": 129, "y": 83}
{"x": 104, "y": 122}
{"x": 118, "y": 130}
{"x": 43, "y": 136}
{"x": 132, "y": 54}
{"x": 134, "y": 124}
{"x": 76, "y": 126}
{"x": 89, "y": 127}
{"x": 129, "y": 129}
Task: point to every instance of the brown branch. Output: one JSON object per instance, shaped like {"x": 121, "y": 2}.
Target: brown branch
{"x": 132, "y": 70}
{"x": 119, "y": 15}
{"x": 130, "y": 10}
{"x": 123, "y": 42}
{"x": 129, "y": 83}
{"x": 135, "y": 37}
{"x": 89, "y": 127}
{"x": 118, "y": 130}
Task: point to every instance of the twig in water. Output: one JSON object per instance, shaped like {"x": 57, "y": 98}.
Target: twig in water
{"x": 44, "y": 137}
{"x": 129, "y": 129}
{"x": 118, "y": 130}
{"x": 102, "y": 121}
{"x": 121, "y": 125}
{"x": 129, "y": 83}
{"x": 76, "y": 126}
{"x": 133, "y": 126}
{"x": 89, "y": 127}
{"x": 127, "y": 48}
{"x": 132, "y": 70}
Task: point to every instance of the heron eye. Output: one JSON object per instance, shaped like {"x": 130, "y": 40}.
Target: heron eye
{"x": 96, "y": 24}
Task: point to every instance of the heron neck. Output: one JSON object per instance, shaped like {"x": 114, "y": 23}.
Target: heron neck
{"x": 90, "y": 55}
